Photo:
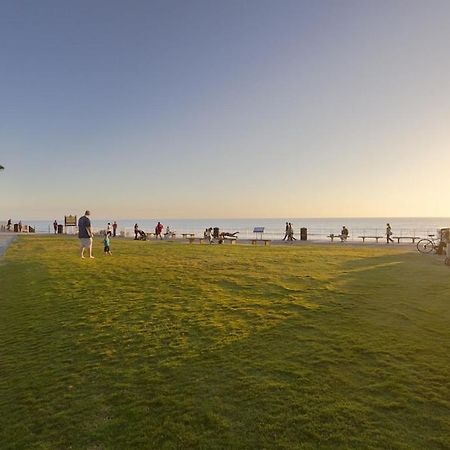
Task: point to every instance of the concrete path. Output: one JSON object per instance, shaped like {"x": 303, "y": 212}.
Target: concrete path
{"x": 5, "y": 241}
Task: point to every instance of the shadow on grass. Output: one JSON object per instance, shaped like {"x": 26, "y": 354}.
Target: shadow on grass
{"x": 319, "y": 349}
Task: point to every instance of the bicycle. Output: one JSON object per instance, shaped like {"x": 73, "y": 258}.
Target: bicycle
{"x": 430, "y": 244}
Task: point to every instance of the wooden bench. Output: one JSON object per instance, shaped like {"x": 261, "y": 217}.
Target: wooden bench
{"x": 193, "y": 239}
{"x": 266, "y": 241}
{"x": 371, "y": 237}
{"x": 413, "y": 238}
{"x": 342, "y": 237}
{"x": 231, "y": 240}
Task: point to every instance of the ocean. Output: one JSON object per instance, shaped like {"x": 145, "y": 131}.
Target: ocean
{"x": 318, "y": 228}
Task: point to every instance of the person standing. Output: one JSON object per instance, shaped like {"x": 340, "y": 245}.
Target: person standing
{"x": 55, "y": 226}
{"x": 286, "y": 232}
{"x": 388, "y": 234}
{"x": 109, "y": 229}
{"x": 136, "y": 231}
{"x": 114, "y": 227}
{"x": 158, "y": 230}
{"x": 8, "y": 226}
{"x": 20, "y": 226}
{"x": 85, "y": 234}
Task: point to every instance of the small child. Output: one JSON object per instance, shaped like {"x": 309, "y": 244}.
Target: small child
{"x": 106, "y": 245}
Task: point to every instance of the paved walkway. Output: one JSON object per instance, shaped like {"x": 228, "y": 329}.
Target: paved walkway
{"x": 5, "y": 240}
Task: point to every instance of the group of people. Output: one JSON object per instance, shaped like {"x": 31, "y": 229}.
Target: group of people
{"x": 111, "y": 230}
{"x": 289, "y": 233}
{"x": 210, "y": 236}
{"x": 85, "y": 234}
{"x": 344, "y": 234}
{"x": 9, "y": 225}
{"x": 159, "y": 228}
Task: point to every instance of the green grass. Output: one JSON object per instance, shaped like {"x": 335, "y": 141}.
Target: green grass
{"x": 167, "y": 345}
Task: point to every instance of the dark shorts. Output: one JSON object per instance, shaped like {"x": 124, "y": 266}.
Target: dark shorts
{"x": 106, "y": 248}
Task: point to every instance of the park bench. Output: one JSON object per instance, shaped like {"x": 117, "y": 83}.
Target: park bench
{"x": 372, "y": 237}
{"x": 266, "y": 241}
{"x": 342, "y": 237}
{"x": 192, "y": 239}
{"x": 231, "y": 240}
{"x": 413, "y": 238}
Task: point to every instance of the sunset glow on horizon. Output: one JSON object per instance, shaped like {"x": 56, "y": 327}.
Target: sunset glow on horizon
{"x": 225, "y": 109}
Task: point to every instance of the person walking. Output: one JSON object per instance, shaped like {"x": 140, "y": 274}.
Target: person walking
{"x": 109, "y": 229}
{"x": 114, "y": 227}
{"x": 107, "y": 245}
{"x": 388, "y": 234}
{"x": 85, "y": 234}
{"x": 291, "y": 237}
{"x": 55, "y": 226}
{"x": 286, "y": 232}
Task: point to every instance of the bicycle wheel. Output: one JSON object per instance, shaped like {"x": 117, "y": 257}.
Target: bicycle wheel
{"x": 425, "y": 246}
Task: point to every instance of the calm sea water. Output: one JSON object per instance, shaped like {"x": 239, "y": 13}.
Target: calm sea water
{"x": 318, "y": 228}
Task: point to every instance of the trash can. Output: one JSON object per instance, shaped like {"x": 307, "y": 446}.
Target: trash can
{"x": 60, "y": 229}
{"x": 303, "y": 234}
{"x": 216, "y": 233}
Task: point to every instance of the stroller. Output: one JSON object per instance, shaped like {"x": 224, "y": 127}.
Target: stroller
{"x": 142, "y": 235}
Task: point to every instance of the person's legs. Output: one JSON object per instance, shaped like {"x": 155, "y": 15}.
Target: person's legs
{"x": 90, "y": 249}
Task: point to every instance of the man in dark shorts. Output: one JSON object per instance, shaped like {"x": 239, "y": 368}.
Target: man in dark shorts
{"x": 85, "y": 233}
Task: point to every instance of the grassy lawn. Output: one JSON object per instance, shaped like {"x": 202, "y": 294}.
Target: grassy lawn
{"x": 167, "y": 345}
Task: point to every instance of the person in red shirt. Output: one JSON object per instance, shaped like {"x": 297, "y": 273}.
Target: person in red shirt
{"x": 158, "y": 230}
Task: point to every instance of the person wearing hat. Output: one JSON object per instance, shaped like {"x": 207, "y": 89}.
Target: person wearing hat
{"x": 85, "y": 233}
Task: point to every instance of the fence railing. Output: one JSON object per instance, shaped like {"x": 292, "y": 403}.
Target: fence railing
{"x": 314, "y": 234}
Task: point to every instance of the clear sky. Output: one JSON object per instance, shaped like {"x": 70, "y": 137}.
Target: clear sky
{"x": 230, "y": 108}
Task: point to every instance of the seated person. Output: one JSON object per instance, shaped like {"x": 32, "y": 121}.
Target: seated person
{"x": 344, "y": 234}
{"x": 224, "y": 235}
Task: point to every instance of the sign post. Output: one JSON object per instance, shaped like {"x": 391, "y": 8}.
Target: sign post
{"x": 70, "y": 221}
